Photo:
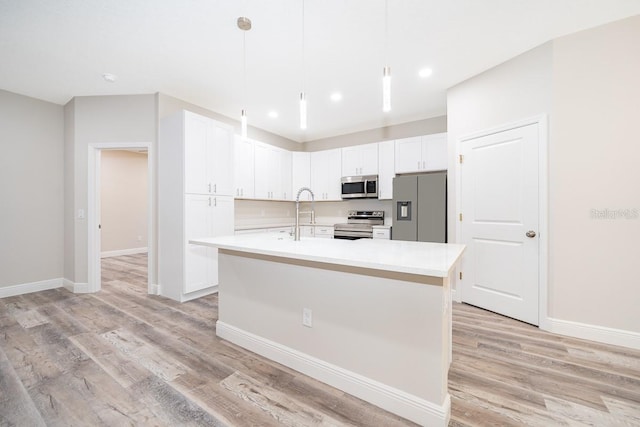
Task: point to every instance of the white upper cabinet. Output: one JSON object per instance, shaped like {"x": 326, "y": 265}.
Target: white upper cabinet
{"x": 264, "y": 179}
{"x": 360, "y": 160}
{"x": 286, "y": 179}
{"x": 208, "y": 150}
{"x": 300, "y": 174}
{"x": 222, "y": 174}
{"x": 243, "y": 168}
{"x": 386, "y": 169}
{"x": 421, "y": 153}
{"x": 272, "y": 172}
{"x": 409, "y": 154}
{"x": 435, "y": 152}
{"x": 326, "y": 171}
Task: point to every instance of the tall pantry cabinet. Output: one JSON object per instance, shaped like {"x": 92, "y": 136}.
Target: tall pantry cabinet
{"x": 195, "y": 199}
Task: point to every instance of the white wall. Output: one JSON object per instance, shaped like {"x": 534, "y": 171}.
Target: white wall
{"x": 595, "y": 152}
{"x": 123, "y": 201}
{"x": 100, "y": 119}
{"x": 31, "y": 190}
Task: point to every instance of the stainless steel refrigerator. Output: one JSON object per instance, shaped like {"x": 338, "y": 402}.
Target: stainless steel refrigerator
{"x": 420, "y": 207}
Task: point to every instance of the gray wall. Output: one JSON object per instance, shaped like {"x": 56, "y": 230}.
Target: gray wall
{"x": 168, "y": 105}
{"x": 588, "y": 84}
{"x": 101, "y": 119}
{"x": 31, "y": 190}
{"x": 123, "y": 201}
{"x": 594, "y": 155}
{"x": 403, "y": 130}
{"x": 517, "y": 89}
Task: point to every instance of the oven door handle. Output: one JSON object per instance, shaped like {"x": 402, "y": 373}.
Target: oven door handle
{"x": 363, "y": 235}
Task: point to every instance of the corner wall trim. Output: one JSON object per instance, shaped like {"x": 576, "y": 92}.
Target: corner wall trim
{"x": 391, "y": 399}
{"x": 120, "y": 252}
{"x": 27, "y": 288}
{"x": 596, "y": 333}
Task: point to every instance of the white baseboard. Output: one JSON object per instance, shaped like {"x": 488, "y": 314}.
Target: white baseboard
{"x": 27, "y": 288}
{"x": 154, "y": 290}
{"x": 593, "y": 332}
{"x": 76, "y": 288}
{"x": 391, "y": 399}
{"x": 455, "y": 296}
{"x": 132, "y": 251}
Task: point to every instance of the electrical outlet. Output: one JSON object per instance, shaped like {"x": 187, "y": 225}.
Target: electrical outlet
{"x": 307, "y": 317}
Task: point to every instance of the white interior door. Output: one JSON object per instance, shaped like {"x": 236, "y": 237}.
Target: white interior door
{"x": 499, "y": 204}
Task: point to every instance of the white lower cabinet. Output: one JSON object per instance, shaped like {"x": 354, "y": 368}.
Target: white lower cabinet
{"x": 382, "y": 232}
{"x": 323, "y": 231}
{"x": 205, "y": 216}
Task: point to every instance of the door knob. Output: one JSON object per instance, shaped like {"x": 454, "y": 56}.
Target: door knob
{"x": 530, "y": 234}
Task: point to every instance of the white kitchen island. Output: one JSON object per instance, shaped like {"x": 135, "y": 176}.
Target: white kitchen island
{"x": 380, "y": 314}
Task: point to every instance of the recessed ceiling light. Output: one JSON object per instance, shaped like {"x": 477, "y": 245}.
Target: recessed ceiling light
{"x": 425, "y": 72}
{"x": 336, "y": 96}
{"x": 273, "y": 114}
{"x": 108, "y": 77}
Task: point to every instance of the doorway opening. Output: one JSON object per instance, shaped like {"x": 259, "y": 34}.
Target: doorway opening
{"x": 119, "y": 215}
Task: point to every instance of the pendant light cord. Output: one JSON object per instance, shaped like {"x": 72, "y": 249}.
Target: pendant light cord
{"x": 244, "y": 66}
{"x": 303, "y": 58}
{"x": 386, "y": 31}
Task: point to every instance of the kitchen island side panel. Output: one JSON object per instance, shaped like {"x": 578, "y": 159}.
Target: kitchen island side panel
{"x": 393, "y": 332}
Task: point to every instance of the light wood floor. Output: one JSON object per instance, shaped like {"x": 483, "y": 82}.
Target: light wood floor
{"x": 121, "y": 357}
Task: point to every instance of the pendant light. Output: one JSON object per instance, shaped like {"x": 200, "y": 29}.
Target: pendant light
{"x": 386, "y": 70}
{"x": 244, "y": 24}
{"x": 303, "y": 95}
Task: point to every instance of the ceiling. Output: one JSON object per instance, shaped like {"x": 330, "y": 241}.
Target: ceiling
{"x": 192, "y": 50}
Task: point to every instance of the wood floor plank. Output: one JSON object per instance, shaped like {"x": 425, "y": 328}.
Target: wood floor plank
{"x": 17, "y": 407}
{"x": 283, "y": 408}
{"x": 122, "y": 369}
{"x": 171, "y": 407}
{"x": 227, "y": 408}
{"x": 152, "y": 358}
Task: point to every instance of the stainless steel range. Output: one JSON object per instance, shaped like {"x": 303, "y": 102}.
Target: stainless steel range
{"x": 359, "y": 225}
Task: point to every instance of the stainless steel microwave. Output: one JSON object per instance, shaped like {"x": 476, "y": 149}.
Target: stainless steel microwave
{"x": 360, "y": 187}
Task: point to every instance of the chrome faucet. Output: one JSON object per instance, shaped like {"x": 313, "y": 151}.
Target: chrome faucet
{"x": 312, "y": 212}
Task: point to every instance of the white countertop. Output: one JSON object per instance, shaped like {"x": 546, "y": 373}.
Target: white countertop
{"x": 427, "y": 259}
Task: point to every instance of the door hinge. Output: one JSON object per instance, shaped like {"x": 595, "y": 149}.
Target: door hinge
{"x": 461, "y": 275}
{"x": 460, "y": 158}
{"x": 460, "y": 217}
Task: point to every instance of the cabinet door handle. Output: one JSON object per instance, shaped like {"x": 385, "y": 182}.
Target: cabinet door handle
{"x": 209, "y": 187}
{"x": 242, "y": 191}
{"x": 215, "y": 202}
{"x": 209, "y": 201}
{"x": 215, "y": 188}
